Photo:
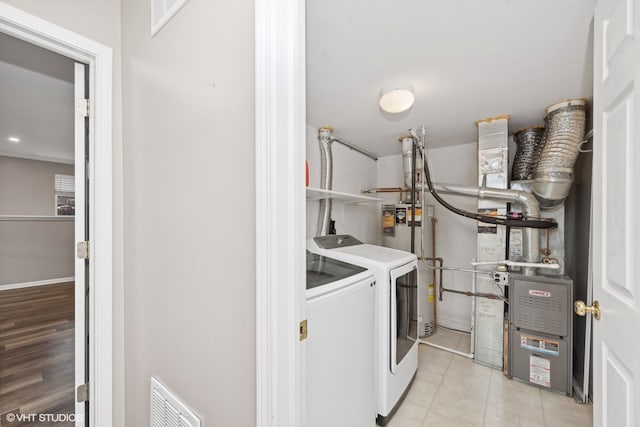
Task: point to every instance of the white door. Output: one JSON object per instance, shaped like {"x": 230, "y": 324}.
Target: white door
{"x": 616, "y": 198}
{"x": 81, "y": 235}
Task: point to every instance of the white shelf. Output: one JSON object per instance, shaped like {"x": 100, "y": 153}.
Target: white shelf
{"x": 36, "y": 218}
{"x": 319, "y": 194}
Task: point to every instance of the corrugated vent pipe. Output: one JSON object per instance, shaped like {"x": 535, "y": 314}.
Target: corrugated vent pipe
{"x": 564, "y": 132}
{"x": 527, "y": 201}
{"x": 529, "y": 142}
{"x": 326, "y": 179}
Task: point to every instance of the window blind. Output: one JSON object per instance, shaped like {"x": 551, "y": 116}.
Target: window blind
{"x": 65, "y": 183}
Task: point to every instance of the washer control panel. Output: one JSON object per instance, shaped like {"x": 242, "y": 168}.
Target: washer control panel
{"x": 333, "y": 241}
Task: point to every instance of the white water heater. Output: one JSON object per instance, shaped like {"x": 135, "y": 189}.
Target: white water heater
{"x": 396, "y": 234}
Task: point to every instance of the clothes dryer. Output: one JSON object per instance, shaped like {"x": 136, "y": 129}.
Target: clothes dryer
{"x": 396, "y": 325}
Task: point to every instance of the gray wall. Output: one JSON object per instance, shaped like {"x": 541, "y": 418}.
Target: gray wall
{"x": 188, "y": 113}
{"x": 33, "y": 250}
{"x": 189, "y": 212}
{"x": 27, "y": 186}
{"x": 99, "y": 20}
{"x": 578, "y": 216}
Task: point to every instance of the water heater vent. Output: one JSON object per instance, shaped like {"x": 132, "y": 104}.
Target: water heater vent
{"x": 167, "y": 410}
{"x": 429, "y": 329}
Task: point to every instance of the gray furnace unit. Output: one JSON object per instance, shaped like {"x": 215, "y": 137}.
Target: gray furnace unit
{"x": 540, "y": 331}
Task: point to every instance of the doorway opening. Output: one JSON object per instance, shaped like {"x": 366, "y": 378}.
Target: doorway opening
{"x": 90, "y": 337}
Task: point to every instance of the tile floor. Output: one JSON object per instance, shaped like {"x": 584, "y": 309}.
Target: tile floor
{"x": 451, "y": 390}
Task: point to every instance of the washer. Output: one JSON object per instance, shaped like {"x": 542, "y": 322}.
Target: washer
{"x": 396, "y": 325}
{"x": 340, "y": 344}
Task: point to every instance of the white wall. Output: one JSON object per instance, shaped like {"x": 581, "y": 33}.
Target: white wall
{"x": 352, "y": 172}
{"x": 455, "y": 235}
{"x": 99, "y": 20}
{"x": 190, "y": 209}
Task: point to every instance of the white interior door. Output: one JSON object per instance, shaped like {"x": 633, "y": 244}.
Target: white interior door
{"x": 616, "y": 232}
{"x": 81, "y": 235}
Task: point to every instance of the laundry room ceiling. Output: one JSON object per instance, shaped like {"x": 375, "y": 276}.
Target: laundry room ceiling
{"x": 467, "y": 60}
{"x": 36, "y": 102}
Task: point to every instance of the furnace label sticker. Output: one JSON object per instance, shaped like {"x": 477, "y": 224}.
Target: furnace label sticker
{"x": 389, "y": 220}
{"x": 401, "y": 215}
{"x": 432, "y": 293}
{"x": 484, "y": 227}
{"x": 540, "y": 371}
{"x": 540, "y": 345}
{"x": 515, "y": 244}
{"x": 418, "y": 217}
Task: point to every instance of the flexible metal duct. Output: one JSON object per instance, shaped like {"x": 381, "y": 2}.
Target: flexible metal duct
{"x": 529, "y": 142}
{"x": 326, "y": 179}
{"x": 564, "y": 132}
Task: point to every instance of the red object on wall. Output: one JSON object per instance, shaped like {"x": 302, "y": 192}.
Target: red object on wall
{"x": 306, "y": 166}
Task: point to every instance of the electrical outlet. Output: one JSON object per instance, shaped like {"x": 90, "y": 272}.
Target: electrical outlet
{"x": 430, "y": 211}
{"x": 501, "y": 277}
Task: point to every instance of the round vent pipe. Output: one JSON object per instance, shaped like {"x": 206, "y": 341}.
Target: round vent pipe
{"x": 528, "y": 202}
{"x": 407, "y": 163}
{"x": 326, "y": 179}
{"x": 564, "y": 132}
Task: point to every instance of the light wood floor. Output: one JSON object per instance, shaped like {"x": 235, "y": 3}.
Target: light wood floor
{"x": 37, "y": 352}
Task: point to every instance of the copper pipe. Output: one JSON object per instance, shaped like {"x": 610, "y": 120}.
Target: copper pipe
{"x": 441, "y": 261}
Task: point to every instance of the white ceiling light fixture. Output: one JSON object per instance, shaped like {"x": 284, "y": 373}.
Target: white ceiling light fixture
{"x": 396, "y": 98}
{"x": 13, "y": 139}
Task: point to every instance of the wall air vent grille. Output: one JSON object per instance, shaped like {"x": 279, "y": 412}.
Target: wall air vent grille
{"x": 162, "y": 11}
{"x": 167, "y": 410}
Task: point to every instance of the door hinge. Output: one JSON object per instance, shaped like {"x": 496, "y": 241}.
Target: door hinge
{"x": 82, "y": 250}
{"x": 82, "y": 393}
{"x": 82, "y": 107}
{"x": 303, "y": 330}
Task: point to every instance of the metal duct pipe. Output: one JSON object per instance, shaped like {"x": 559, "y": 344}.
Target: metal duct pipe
{"x": 529, "y": 142}
{"x": 354, "y": 148}
{"x": 407, "y": 158}
{"x": 564, "y": 132}
{"x": 529, "y": 204}
{"x": 326, "y": 179}
{"x": 530, "y": 208}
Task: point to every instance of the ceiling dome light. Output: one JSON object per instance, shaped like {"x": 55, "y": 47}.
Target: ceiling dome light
{"x": 396, "y": 98}
{"x": 13, "y": 139}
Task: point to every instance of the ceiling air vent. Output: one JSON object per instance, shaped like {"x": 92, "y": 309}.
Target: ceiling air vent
{"x": 167, "y": 410}
{"x": 162, "y": 11}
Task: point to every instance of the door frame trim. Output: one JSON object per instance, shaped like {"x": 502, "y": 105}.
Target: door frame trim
{"x": 32, "y": 29}
{"x": 280, "y": 211}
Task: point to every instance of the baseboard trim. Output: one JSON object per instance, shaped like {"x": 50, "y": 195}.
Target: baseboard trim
{"x": 452, "y": 323}
{"x": 36, "y": 283}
